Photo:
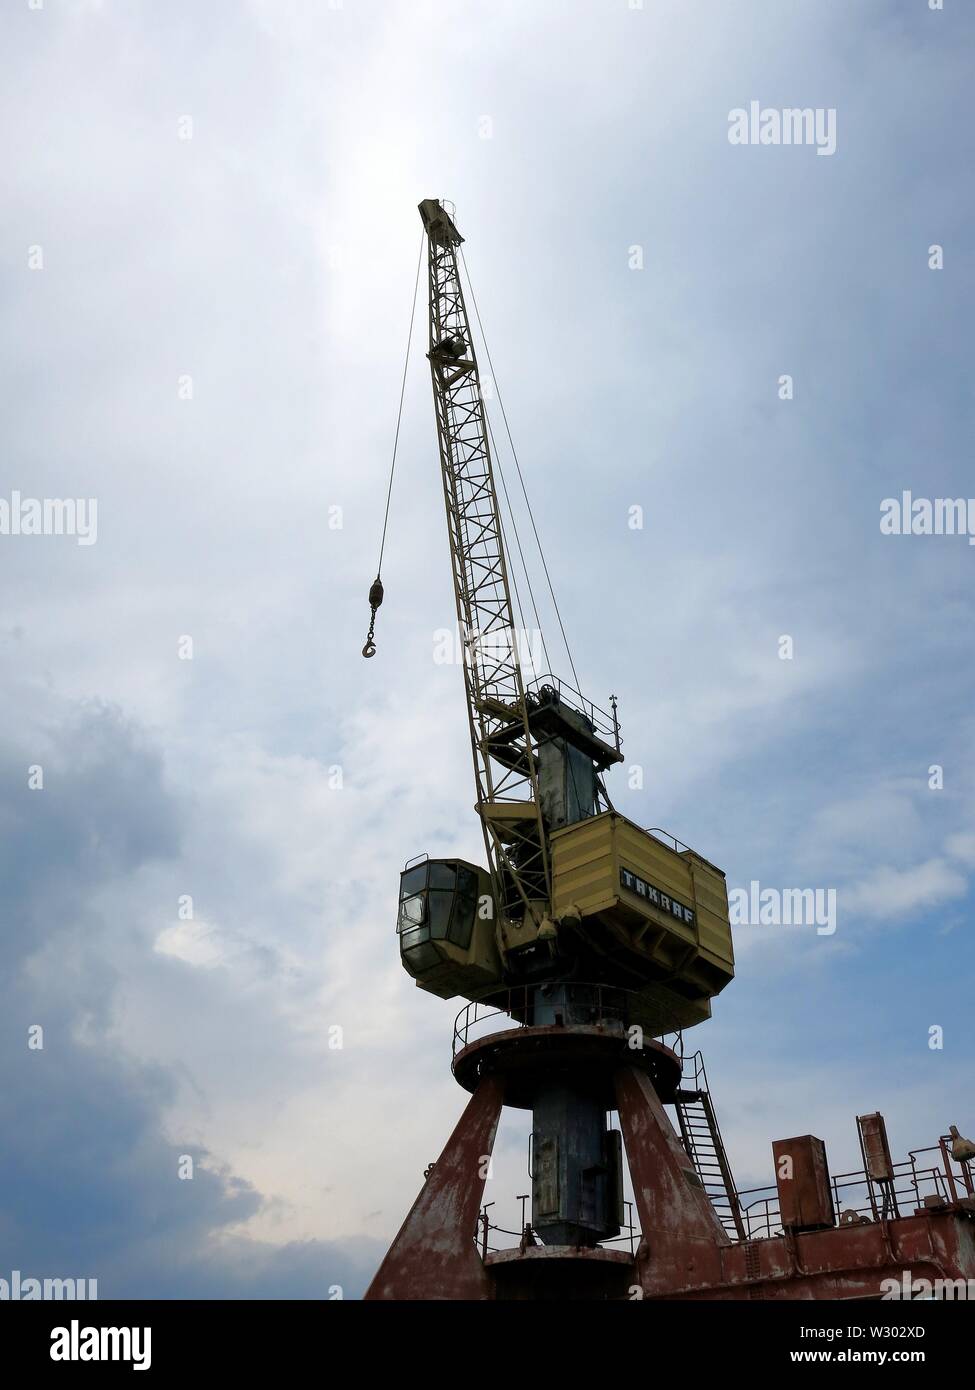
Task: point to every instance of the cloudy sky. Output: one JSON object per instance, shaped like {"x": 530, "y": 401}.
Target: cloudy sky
{"x": 208, "y": 238}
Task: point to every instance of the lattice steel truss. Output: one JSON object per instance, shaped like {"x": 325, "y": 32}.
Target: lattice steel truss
{"x": 503, "y": 750}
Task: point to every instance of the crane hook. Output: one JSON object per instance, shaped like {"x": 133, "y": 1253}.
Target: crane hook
{"x": 375, "y": 599}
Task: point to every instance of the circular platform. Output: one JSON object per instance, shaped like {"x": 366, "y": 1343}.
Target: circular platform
{"x": 590, "y": 1056}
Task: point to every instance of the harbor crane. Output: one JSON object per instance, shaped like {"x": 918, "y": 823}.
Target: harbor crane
{"x": 584, "y": 940}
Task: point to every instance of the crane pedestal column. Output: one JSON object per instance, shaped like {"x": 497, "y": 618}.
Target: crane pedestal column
{"x": 570, "y": 1075}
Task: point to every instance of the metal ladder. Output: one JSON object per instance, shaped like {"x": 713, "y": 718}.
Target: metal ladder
{"x": 701, "y": 1138}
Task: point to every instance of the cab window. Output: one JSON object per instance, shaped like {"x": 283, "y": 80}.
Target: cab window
{"x": 465, "y": 905}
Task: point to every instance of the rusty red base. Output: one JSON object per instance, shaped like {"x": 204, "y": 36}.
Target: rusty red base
{"x": 684, "y": 1251}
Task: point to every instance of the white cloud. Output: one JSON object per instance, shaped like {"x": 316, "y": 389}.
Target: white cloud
{"x": 194, "y": 943}
{"x": 962, "y": 846}
{"x": 892, "y": 892}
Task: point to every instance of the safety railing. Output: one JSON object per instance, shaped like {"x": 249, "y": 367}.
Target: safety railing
{"x": 561, "y": 1002}
{"x": 671, "y": 841}
{"x": 853, "y": 1201}
{"x": 605, "y": 725}
{"x": 488, "y": 1232}
{"x": 675, "y": 1041}
{"x": 858, "y": 1198}
{"x": 958, "y": 1176}
{"x": 554, "y": 1003}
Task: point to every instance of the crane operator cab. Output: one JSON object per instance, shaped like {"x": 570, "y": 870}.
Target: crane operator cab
{"x": 446, "y": 928}
{"x": 629, "y": 910}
